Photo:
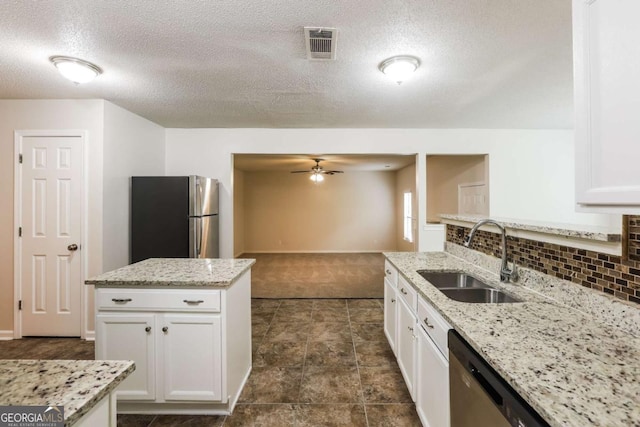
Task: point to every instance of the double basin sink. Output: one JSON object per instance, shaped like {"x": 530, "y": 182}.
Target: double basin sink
{"x": 462, "y": 287}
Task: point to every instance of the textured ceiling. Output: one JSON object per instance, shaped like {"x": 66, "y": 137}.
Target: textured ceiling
{"x": 240, "y": 63}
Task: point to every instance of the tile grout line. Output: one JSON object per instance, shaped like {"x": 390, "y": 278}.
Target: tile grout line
{"x": 304, "y": 364}
{"x": 355, "y": 354}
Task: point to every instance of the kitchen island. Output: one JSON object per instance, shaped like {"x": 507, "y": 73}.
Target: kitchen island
{"x": 85, "y": 388}
{"x": 187, "y": 325}
{"x": 574, "y": 366}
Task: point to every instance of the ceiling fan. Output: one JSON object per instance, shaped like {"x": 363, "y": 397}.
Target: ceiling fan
{"x": 317, "y": 171}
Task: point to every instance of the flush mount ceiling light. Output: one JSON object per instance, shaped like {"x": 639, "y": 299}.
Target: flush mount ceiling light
{"x": 399, "y": 68}
{"x": 76, "y": 70}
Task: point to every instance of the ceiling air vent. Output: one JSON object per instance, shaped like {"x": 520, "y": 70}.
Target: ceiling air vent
{"x": 321, "y": 42}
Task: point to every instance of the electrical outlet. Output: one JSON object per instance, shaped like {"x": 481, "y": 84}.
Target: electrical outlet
{"x": 460, "y": 233}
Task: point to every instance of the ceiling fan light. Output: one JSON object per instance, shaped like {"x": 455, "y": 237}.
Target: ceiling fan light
{"x": 76, "y": 70}
{"x": 399, "y": 68}
{"x": 316, "y": 177}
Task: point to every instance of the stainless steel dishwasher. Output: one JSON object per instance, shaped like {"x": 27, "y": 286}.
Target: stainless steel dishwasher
{"x": 479, "y": 396}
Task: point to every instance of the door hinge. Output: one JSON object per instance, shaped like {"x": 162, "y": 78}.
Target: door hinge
{"x": 19, "y": 231}
{"x": 20, "y": 305}
{"x": 19, "y": 158}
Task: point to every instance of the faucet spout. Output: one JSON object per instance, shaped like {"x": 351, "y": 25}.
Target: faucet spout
{"x": 506, "y": 274}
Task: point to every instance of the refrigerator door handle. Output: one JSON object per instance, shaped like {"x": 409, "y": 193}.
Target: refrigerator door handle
{"x": 198, "y": 237}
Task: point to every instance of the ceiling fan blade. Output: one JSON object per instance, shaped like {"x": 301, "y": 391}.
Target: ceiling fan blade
{"x": 301, "y": 171}
{"x": 332, "y": 172}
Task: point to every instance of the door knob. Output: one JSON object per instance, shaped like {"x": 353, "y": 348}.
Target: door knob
{"x": 72, "y": 247}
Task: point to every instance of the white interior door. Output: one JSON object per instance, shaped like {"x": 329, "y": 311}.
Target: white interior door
{"x": 50, "y": 246}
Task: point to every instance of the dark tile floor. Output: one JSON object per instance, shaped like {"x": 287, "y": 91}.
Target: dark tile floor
{"x": 322, "y": 362}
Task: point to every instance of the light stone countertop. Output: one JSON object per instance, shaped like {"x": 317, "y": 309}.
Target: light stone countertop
{"x": 572, "y": 368}
{"x": 78, "y": 385}
{"x": 602, "y": 234}
{"x": 175, "y": 273}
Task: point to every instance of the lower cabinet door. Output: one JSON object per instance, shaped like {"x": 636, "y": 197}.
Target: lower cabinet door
{"x": 406, "y": 342}
{"x": 130, "y": 337}
{"x": 390, "y": 314}
{"x": 192, "y": 357}
{"x": 432, "y": 384}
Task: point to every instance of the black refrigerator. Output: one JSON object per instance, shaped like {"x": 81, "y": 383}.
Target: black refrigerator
{"x": 174, "y": 217}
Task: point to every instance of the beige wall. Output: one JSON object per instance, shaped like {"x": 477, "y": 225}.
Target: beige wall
{"x": 406, "y": 181}
{"x": 444, "y": 174}
{"x": 238, "y": 212}
{"x": 351, "y": 212}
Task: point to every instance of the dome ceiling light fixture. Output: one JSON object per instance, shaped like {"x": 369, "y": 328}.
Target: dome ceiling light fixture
{"x": 76, "y": 70}
{"x": 399, "y": 68}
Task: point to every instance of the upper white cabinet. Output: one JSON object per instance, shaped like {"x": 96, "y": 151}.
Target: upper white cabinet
{"x": 606, "y": 49}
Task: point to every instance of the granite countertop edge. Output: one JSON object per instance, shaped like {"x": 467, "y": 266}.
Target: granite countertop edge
{"x": 102, "y": 392}
{"x": 477, "y": 326}
{"x": 587, "y": 232}
{"x": 77, "y": 385}
{"x": 139, "y": 275}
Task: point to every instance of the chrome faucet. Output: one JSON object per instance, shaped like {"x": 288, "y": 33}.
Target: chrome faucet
{"x": 506, "y": 274}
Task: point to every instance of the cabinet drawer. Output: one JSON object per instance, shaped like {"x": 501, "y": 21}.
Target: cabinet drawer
{"x": 407, "y": 293}
{"x": 390, "y": 273}
{"x": 434, "y": 324}
{"x": 157, "y": 299}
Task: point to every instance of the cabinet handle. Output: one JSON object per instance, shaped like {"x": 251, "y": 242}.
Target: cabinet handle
{"x": 193, "y": 301}
{"x": 393, "y": 300}
{"x": 388, "y": 271}
{"x": 165, "y": 329}
{"x": 403, "y": 291}
{"x": 410, "y": 329}
{"x": 121, "y": 300}
{"x": 426, "y": 322}
{"x": 148, "y": 329}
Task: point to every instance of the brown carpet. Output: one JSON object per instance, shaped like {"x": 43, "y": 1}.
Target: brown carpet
{"x": 331, "y": 275}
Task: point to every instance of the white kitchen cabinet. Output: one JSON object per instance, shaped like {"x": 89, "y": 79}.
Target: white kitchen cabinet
{"x": 166, "y": 348}
{"x": 188, "y": 341}
{"x": 432, "y": 372}
{"x": 606, "y": 55}
{"x": 407, "y": 345}
{"x": 390, "y": 314}
{"x": 102, "y": 414}
{"x": 126, "y": 336}
{"x": 192, "y": 347}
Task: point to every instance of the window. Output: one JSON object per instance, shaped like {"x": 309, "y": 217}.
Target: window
{"x": 408, "y": 219}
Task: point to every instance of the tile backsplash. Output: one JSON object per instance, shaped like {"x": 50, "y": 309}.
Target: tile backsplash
{"x": 600, "y": 271}
{"x": 633, "y": 242}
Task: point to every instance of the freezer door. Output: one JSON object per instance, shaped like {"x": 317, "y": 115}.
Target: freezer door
{"x": 203, "y": 232}
{"x": 203, "y": 196}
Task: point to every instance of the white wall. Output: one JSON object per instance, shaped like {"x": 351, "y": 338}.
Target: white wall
{"x": 531, "y": 170}
{"x": 132, "y": 146}
{"x": 405, "y": 181}
{"x": 238, "y": 212}
{"x": 350, "y": 212}
{"x": 48, "y": 115}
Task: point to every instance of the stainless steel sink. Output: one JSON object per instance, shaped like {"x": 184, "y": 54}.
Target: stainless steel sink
{"x": 452, "y": 279}
{"x": 463, "y": 287}
{"x": 478, "y": 295}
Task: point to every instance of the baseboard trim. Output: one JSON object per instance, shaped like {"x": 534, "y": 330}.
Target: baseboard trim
{"x": 6, "y": 335}
{"x": 90, "y": 335}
